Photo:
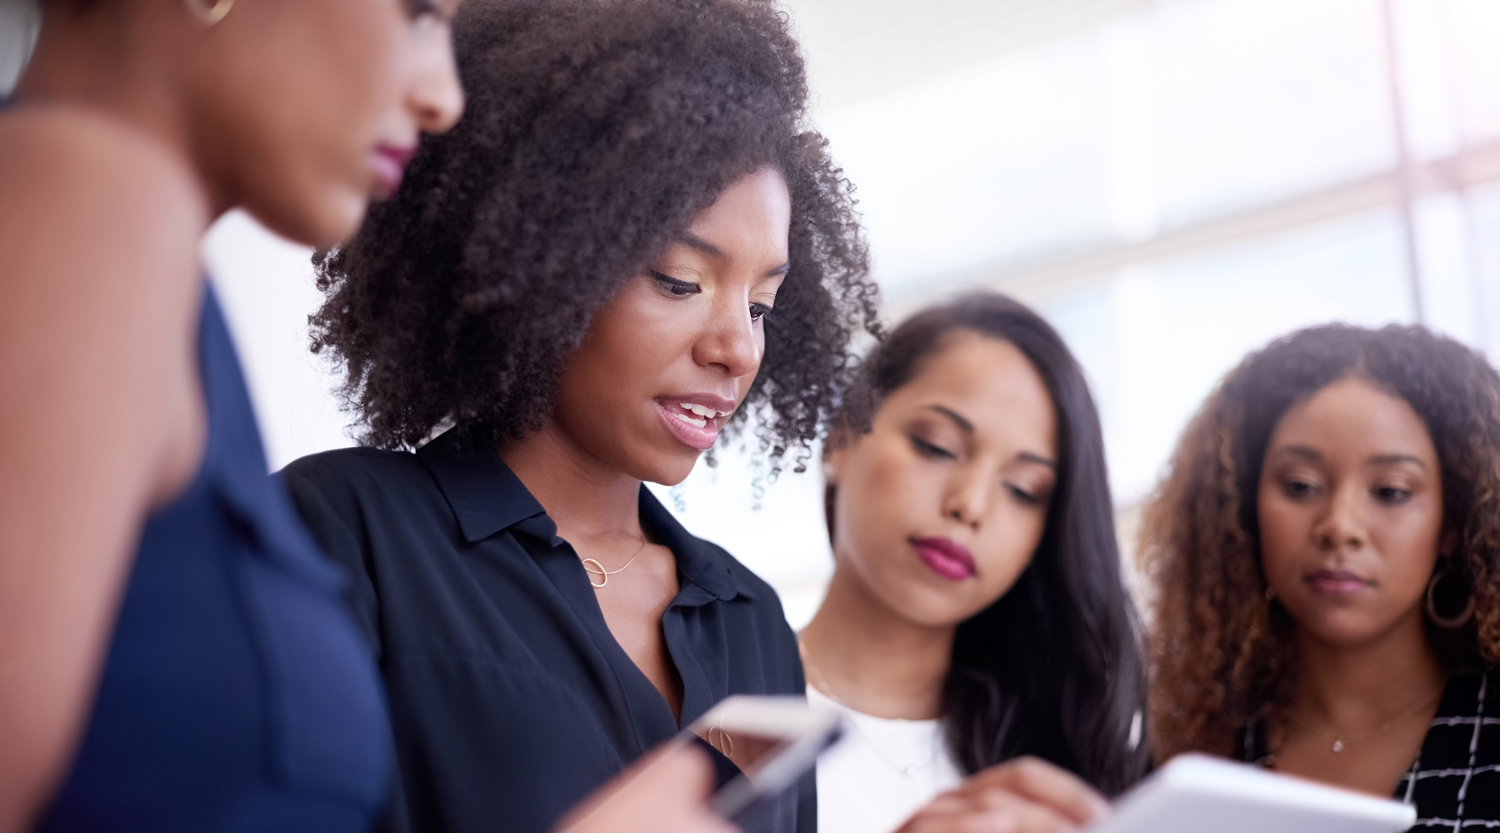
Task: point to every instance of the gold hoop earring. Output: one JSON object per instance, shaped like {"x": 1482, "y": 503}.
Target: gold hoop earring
{"x": 208, "y": 12}
{"x": 1445, "y": 622}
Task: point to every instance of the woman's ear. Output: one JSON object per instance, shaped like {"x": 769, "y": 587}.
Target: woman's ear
{"x": 835, "y": 451}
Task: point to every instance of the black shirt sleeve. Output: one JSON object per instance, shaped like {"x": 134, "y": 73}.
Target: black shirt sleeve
{"x": 315, "y": 503}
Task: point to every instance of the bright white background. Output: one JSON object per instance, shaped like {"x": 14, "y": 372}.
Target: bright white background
{"x": 1172, "y": 183}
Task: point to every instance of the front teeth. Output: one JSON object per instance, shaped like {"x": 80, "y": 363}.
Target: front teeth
{"x": 696, "y": 423}
{"x": 702, "y": 411}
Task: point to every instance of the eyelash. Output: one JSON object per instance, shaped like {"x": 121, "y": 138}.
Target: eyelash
{"x": 679, "y": 289}
{"x": 1382, "y": 493}
{"x": 684, "y": 289}
{"x": 1291, "y": 487}
{"x": 927, "y": 449}
{"x": 1301, "y": 489}
{"x": 1025, "y": 497}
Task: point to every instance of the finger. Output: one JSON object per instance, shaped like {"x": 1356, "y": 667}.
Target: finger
{"x": 662, "y": 793}
{"x": 679, "y": 764}
{"x": 1043, "y": 783}
{"x": 967, "y": 820}
{"x": 1031, "y": 817}
{"x": 949, "y": 802}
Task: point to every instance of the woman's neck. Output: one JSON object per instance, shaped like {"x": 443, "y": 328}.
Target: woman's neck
{"x": 587, "y": 499}
{"x": 871, "y": 659}
{"x": 1351, "y": 689}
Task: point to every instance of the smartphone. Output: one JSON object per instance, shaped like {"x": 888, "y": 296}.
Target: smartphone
{"x": 773, "y": 741}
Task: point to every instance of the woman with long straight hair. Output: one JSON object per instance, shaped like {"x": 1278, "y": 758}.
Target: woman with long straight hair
{"x": 976, "y": 614}
{"x": 174, "y": 652}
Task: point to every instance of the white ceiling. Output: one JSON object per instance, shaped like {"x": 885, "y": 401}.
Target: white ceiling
{"x": 863, "y": 48}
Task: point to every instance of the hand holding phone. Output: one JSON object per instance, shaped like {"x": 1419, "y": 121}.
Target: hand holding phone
{"x": 665, "y": 792}
{"x": 773, "y": 740}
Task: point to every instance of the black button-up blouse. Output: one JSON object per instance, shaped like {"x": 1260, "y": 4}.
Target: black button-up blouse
{"x": 510, "y": 699}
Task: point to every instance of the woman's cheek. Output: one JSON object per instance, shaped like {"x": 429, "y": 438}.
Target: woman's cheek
{"x": 875, "y": 499}
{"x": 1279, "y": 531}
{"x": 1010, "y": 546}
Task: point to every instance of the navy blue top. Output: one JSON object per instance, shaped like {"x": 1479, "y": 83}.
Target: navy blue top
{"x": 511, "y": 699}
{"x": 237, "y": 695}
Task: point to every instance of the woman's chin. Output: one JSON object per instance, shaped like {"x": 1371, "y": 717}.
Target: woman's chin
{"x": 322, "y": 227}
{"x": 672, "y": 478}
{"x": 670, "y": 469}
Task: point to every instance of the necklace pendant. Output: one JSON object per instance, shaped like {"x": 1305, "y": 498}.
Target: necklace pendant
{"x": 1338, "y": 745}
{"x": 911, "y": 770}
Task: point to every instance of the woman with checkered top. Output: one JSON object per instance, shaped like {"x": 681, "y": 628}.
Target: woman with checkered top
{"x": 1326, "y": 557}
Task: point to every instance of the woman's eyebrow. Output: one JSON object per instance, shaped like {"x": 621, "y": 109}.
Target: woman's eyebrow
{"x": 1305, "y": 452}
{"x": 693, "y": 241}
{"x": 1396, "y": 459}
{"x": 1029, "y": 457}
{"x": 966, "y": 426}
{"x": 696, "y": 243}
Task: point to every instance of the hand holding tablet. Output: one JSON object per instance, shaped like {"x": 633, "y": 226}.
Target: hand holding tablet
{"x": 1195, "y": 793}
{"x": 1191, "y": 794}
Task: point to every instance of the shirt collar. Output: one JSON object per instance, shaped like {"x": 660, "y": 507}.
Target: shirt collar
{"x": 693, "y": 559}
{"x": 487, "y": 497}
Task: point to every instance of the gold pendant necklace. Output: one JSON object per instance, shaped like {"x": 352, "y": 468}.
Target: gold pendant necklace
{"x": 1342, "y": 741}
{"x": 603, "y": 574}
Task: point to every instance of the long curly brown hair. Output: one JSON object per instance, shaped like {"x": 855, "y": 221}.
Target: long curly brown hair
{"x": 595, "y": 132}
{"x": 1221, "y": 653}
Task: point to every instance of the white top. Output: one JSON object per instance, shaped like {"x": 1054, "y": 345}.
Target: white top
{"x": 881, "y": 772}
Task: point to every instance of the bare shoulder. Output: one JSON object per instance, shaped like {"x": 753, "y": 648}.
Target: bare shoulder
{"x": 71, "y": 174}
{"x": 99, "y": 269}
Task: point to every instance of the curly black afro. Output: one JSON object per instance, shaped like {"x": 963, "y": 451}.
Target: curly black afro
{"x": 596, "y": 131}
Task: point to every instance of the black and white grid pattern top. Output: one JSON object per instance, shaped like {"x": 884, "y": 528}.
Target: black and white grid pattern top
{"x": 1455, "y": 780}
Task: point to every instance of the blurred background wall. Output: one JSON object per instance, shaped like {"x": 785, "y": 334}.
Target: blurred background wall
{"x": 1170, "y": 182}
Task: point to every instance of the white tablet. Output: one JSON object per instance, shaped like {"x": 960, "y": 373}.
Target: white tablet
{"x": 1200, "y": 794}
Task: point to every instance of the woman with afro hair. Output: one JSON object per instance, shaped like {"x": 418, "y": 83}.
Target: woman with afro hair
{"x": 628, "y": 246}
{"x": 1326, "y": 556}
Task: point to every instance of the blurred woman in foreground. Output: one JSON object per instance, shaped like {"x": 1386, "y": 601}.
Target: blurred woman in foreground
{"x": 164, "y": 622}
{"x": 174, "y": 654}
{"x": 1326, "y": 552}
{"x": 976, "y": 613}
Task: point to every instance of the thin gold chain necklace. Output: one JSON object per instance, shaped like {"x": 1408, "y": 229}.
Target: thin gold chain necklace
{"x": 908, "y": 770}
{"x": 603, "y": 574}
{"x": 1340, "y": 741}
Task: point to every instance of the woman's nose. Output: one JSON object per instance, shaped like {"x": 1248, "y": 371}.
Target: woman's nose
{"x": 1342, "y": 525}
{"x": 731, "y": 339}
{"x": 967, "y": 498}
{"x": 436, "y": 98}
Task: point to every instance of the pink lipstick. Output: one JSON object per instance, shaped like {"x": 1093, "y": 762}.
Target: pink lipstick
{"x": 946, "y": 557}
{"x": 389, "y": 163}
{"x": 1336, "y": 582}
{"x": 695, "y": 420}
